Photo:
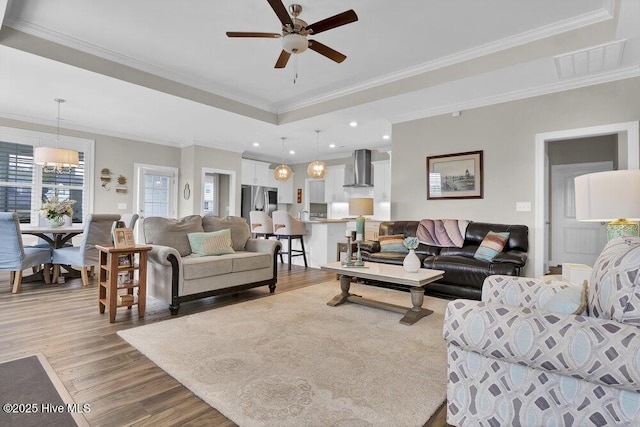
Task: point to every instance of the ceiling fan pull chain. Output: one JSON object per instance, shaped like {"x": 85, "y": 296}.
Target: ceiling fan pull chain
{"x": 295, "y": 69}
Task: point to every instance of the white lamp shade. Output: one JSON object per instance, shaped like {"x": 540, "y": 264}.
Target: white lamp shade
{"x": 294, "y": 43}
{"x": 59, "y": 157}
{"x": 608, "y": 196}
{"x": 361, "y": 206}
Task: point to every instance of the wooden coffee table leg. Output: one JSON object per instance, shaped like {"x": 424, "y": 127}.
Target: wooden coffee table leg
{"x": 345, "y": 284}
{"x": 416, "y": 312}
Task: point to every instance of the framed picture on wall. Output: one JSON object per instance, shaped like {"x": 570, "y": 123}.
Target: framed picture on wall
{"x": 455, "y": 176}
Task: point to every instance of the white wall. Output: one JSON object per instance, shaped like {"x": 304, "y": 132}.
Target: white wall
{"x": 506, "y": 132}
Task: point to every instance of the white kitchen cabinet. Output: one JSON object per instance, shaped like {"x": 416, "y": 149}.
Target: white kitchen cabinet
{"x": 285, "y": 190}
{"x": 382, "y": 181}
{"x": 316, "y": 191}
{"x": 334, "y": 185}
{"x": 255, "y": 173}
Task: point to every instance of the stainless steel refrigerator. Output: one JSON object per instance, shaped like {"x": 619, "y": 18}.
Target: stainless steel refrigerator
{"x": 258, "y": 198}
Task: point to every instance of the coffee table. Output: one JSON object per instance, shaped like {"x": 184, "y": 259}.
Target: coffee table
{"x": 385, "y": 273}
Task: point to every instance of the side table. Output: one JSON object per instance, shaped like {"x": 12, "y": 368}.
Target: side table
{"x": 117, "y": 268}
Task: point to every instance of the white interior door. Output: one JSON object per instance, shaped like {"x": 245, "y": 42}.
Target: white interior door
{"x": 571, "y": 240}
{"x": 156, "y": 191}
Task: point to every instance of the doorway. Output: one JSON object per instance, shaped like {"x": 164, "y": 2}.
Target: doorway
{"x": 218, "y": 192}
{"x": 155, "y": 188}
{"x": 628, "y": 152}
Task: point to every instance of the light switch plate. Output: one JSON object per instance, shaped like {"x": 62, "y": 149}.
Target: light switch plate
{"x": 523, "y": 206}
{"x": 122, "y": 206}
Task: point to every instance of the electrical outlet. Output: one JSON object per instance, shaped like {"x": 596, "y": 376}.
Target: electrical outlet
{"x": 523, "y": 206}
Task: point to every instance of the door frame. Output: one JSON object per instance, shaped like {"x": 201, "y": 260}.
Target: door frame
{"x": 628, "y": 143}
{"x": 137, "y": 170}
{"x": 232, "y": 188}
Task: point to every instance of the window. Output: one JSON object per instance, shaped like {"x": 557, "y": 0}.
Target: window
{"x": 24, "y": 187}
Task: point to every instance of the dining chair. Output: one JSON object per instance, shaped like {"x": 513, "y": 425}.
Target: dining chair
{"x": 286, "y": 226}
{"x": 14, "y": 256}
{"x": 261, "y": 224}
{"x": 97, "y": 231}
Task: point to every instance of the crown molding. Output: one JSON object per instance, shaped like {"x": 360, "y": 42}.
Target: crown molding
{"x": 621, "y": 74}
{"x": 575, "y": 23}
{"x": 82, "y": 46}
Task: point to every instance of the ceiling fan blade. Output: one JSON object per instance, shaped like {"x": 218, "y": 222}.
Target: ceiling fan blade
{"x": 283, "y": 59}
{"x": 335, "y": 21}
{"x": 245, "y": 34}
{"x": 281, "y": 11}
{"x": 325, "y": 50}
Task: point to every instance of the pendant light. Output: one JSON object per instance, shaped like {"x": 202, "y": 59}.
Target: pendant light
{"x": 282, "y": 172}
{"x": 56, "y": 159}
{"x": 317, "y": 169}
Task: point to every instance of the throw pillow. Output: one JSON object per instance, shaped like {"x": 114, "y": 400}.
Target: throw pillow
{"x": 614, "y": 288}
{"x": 570, "y": 300}
{"x": 393, "y": 243}
{"x": 171, "y": 232}
{"x": 213, "y": 243}
{"x": 239, "y": 227}
{"x": 491, "y": 245}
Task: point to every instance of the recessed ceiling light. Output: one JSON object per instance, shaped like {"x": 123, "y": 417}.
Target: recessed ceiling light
{"x": 292, "y": 152}
{"x": 332, "y": 145}
{"x": 385, "y": 136}
{"x": 256, "y": 144}
{"x": 353, "y": 124}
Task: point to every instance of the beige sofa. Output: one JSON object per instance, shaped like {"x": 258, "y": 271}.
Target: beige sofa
{"x": 175, "y": 276}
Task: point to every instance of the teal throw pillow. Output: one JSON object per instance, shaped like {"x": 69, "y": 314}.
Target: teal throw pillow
{"x": 212, "y": 243}
{"x": 491, "y": 245}
{"x": 393, "y": 243}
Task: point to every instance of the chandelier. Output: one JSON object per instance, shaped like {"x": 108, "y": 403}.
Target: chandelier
{"x": 56, "y": 159}
{"x": 317, "y": 169}
{"x": 282, "y": 172}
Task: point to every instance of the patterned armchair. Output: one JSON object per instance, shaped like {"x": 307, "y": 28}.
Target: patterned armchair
{"x": 521, "y": 356}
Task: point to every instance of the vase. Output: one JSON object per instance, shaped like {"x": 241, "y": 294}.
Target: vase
{"x": 411, "y": 262}
{"x": 56, "y": 222}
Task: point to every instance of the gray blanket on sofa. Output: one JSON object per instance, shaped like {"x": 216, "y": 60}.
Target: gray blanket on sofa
{"x": 442, "y": 232}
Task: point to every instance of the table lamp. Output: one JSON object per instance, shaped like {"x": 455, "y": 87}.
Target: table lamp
{"x": 613, "y": 197}
{"x": 360, "y": 206}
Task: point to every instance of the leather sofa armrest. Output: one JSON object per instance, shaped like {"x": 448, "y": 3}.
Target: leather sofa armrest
{"x": 512, "y": 257}
{"x": 370, "y": 246}
{"x": 161, "y": 255}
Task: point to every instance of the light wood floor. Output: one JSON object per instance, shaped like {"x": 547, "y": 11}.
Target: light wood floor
{"x": 97, "y": 367}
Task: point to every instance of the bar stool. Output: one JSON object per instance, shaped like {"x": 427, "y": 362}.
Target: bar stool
{"x": 261, "y": 224}
{"x": 284, "y": 225}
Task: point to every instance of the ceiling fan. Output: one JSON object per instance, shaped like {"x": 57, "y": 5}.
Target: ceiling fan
{"x": 295, "y": 32}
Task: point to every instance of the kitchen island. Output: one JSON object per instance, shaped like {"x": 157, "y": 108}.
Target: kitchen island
{"x": 320, "y": 241}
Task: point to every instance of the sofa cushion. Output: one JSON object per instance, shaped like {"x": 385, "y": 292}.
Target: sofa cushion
{"x": 393, "y": 243}
{"x": 172, "y": 232}
{"x": 246, "y": 261}
{"x": 211, "y": 243}
{"x": 239, "y": 227}
{"x": 202, "y": 267}
{"x": 615, "y": 282}
{"x": 570, "y": 300}
{"x": 491, "y": 245}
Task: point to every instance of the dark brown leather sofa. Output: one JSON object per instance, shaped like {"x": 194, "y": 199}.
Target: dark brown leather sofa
{"x": 464, "y": 274}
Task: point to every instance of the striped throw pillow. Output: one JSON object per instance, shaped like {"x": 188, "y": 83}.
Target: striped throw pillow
{"x": 491, "y": 245}
{"x": 392, "y": 243}
{"x": 212, "y": 243}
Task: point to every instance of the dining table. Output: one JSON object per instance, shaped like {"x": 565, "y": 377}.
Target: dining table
{"x": 56, "y": 237}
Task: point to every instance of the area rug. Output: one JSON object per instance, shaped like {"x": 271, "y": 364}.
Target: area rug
{"x": 33, "y": 395}
{"x": 291, "y": 360}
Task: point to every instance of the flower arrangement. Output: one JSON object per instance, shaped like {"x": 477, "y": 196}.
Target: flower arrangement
{"x": 56, "y": 210}
{"x": 411, "y": 242}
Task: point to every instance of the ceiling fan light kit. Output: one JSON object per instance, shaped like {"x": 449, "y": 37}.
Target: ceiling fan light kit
{"x": 295, "y": 32}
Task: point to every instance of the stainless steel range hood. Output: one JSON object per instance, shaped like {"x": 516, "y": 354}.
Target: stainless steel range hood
{"x": 359, "y": 174}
